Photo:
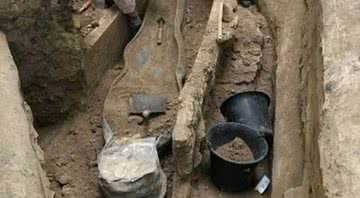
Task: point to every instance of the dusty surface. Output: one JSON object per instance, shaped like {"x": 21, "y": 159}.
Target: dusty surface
{"x": 71, "y": 148}
{"x": 236, "y": 150}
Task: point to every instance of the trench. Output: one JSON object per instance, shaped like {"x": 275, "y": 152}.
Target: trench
{"x": 72, "y": 145}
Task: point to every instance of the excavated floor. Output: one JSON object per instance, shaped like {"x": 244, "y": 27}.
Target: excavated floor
{"x": 71, "y": 147}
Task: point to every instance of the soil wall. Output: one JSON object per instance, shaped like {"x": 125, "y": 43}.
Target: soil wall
{"x": 339, "y": 137}
{"x": 317, "y": 82}
{"x": 47, "y": 51}
{"x": 21, "y": 173}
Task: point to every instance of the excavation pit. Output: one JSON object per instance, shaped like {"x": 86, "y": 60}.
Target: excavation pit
{"x": 292, "y": 51}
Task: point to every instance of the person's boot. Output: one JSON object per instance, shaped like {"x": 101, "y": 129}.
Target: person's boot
{"x": 134, "y": 25}
{"x": 247, "y": 3}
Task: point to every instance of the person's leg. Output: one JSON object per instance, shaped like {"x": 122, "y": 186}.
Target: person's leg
{"x": 135, "y": 20}
{"x": 128, "y": 7}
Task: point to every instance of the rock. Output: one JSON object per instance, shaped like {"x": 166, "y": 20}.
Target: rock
{"x": 135, "y": 119}
{"x": 255, "y": 52}
{"x": 226, "y": 40}
{"x": 93, "y": 164}
{"x": 73, "y": 157}
{"x": 118, "y": 67}
{"x": 228, "y": 14}
{"x": 94, "y": 24}
{"x": 50, "y": 177}
{"x": 77, "y": 23}
{"x": 67, "y": 191}
{"x": 146, "y": 114}
{"x": 61, "y": 162}
{"x": 74, "y": 132}
{"x": 234, "y": 57}
{"x": 58, "y": 164}
{"x": 187, "y": 19}
{"x": 235, "y": 22}
{"x": 93, "y": 130}
{"x": 63, "y": 179}
{"x": 267, "y": 39}
{"x": 236, "y": 47}
{"x": 233, "y": 4}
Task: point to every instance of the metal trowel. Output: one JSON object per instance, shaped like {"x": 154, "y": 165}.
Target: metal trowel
{"x": 146, "y": 105}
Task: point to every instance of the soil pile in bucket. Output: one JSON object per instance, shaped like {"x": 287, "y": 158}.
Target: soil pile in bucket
{"x": 236, "y": 150}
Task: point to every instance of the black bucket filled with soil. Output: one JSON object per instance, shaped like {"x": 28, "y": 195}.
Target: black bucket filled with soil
{"x": 251, "y": 109}
{"x": 235, "y": 150}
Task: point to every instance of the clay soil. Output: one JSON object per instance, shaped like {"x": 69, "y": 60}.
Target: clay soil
{"x": 71, "y": 147}
{"x": 236, "y": 150}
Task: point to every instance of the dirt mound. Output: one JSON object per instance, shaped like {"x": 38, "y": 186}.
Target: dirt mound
{"x": 236, "y": 150}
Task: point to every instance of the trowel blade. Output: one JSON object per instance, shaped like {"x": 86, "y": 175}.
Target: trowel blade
{"x": 152, "y": 104}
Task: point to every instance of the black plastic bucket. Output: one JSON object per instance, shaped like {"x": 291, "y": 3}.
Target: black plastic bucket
{"x": 229, "y": 175}
{"x": 249, "y": 108}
